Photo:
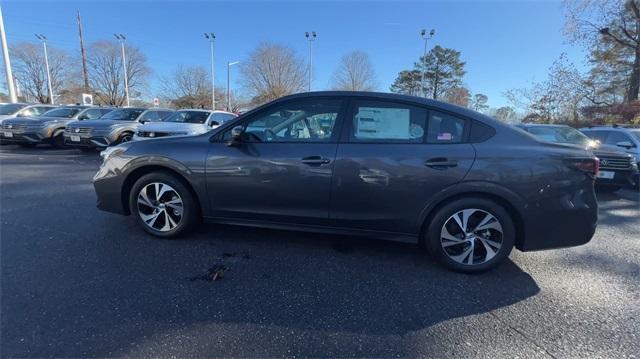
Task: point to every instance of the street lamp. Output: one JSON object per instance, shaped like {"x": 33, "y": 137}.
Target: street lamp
{"x": 229, "y": 64}
{"x": 426, "y": 38}
{"x": 211, "y": 37}
{"x": 122, "y": 39}
{"x": 311, "y": 37}
{"x": 46, "y": 64}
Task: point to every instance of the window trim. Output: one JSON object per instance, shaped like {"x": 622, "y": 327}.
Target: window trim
{"x": 242, "y": 120}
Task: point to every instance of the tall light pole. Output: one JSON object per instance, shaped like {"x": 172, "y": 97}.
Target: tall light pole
{"x": 46, "y": 64}
{"x": 212, "y": 37}
{"x": 122, "y": 39}
{"x": 311, "y": 37}
{"x": 426, "y": 38}
{"x": 229, "y": 64}
{"x": 7, "y": 62}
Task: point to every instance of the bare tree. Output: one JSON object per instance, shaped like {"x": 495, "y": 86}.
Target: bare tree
{"x": 355, "y": 73}
{"x": 106, "y": 74}
{"x": 188, "y": 87}
{"x": 31, "y": 72}
{"x": 273, "y": 71}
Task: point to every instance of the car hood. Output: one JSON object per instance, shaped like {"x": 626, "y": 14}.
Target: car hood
{"x": 104, "y": 123}
{"x": 37, "y": 120}
{"x": 610, "y": 153}
{"x": 174, "y": 127}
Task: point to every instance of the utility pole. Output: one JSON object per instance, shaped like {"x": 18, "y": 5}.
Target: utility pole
{"x": 7, "y": 62}
{"x": 311, "y": 37}
{"x": 229, "y": 64}
{"x": 212, "y": 37}
{"x": 85, "y": 74}
{"x": 46, "y": 64}
{"x": 122, "y": 39}
{"x": 426, "y": 38}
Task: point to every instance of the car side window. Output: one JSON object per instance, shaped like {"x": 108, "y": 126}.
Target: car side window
{"x": 295, "y": 121}
{"x": 93, "y": 114}
{"x": 445, "y": 128}
{"x": 380, "y": 121}
{"x": 597, "y": 135}
{"x": 615, "y": 137}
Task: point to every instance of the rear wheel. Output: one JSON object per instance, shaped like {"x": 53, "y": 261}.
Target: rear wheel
{"x": 58, "y": 141}
{"x": 163, "y": 205}
{"x": 470, "y": 235}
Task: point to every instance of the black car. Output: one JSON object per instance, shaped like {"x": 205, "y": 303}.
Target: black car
{"x": 617, "y": 169}
{"x": 467, "y": 187}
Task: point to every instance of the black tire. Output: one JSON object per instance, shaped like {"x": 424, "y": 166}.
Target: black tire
{"x": 58, "y": 141}
{"x": 190, "y": 213}
{"x": 87, "y": 149}
{"x": 434, "y": 241}
{"x": 27, "y": 145}
{"x": 125, "y": 137}
{"x": 608, "y": 188}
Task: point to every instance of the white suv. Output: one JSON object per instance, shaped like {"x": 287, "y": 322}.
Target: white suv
{"x": 184, "y": 123}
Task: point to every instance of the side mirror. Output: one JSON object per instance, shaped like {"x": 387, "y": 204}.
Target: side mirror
{"x": 215, "y": 124}
{"x": 625, "y": 144}
{"x": 83, "y": 117}
{"x": 143, "y": 121}
{"x": 236, "y": 136}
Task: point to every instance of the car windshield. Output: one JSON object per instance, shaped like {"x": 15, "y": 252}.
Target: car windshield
{"x": 188, "y": 117}
{"x": 10, "y": 109}
{"x": 128, "y": 114}
{"x": 65, "y": 112}
{"x": 560, "y": 135}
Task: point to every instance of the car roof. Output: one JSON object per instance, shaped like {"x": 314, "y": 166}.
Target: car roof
{"x": 225, "y": 112}
{"x": 540, "y": 125}
{"x": 193, "y": 109}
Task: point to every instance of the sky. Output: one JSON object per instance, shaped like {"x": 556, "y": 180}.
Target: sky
{"x": 505, "y": 44}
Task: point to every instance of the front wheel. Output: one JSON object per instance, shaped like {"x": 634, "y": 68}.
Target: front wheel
{"x": 471, "y": 235}
{"x": 163, "y": 205}
{"x": 58, "y": 141}
{"x": 125, "y": 137}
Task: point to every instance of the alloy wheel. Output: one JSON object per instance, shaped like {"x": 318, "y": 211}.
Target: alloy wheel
{"x": 160, "y": 206}
{"x": 471, "y": 236}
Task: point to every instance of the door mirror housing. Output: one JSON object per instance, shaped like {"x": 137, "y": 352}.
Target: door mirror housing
{"x": 215, "y": 124}
{"x": 236, "y": 136}
{"x": 625, "y": 144}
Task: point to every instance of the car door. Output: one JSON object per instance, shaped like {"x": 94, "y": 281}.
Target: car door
{"x": 282, "y": 168}
{"x": 393, "y": 157}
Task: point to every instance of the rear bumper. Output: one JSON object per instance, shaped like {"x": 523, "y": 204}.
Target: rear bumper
{"x": 560, "y": 220}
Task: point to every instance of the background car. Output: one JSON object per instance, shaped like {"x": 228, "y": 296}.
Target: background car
{"x": 115, "y": 127}
{"x": 47, "y": 128}
{"x": 23, "y": 110}
{"x": 183, "y": 123}
{"x": 626, "y": 139}
{"x": 617, "y": 168}
{"x": 155, "y": 115}
{"x": 467, "y": 187}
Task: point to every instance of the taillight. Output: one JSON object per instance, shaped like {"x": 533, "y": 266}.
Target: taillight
{"x": 588, "y": 165}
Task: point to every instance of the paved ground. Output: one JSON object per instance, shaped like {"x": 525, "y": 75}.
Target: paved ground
{"x": 79, "y": 282}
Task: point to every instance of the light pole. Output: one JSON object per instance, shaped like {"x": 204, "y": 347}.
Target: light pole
{"x": 229, "y": 64}
{"x": 311, "y": 37}
{"x": 46, "y": 64}
{"x": 426, "y": 38}
{"x": 122, "y": 39}
{"x": 212, "y": 37}
{"x": 7, "y": 62}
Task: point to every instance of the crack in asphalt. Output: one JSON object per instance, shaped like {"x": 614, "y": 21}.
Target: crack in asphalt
{"x": 523, "y": 335}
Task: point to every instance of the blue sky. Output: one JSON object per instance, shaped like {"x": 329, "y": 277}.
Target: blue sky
{"x": 505, "y": 44}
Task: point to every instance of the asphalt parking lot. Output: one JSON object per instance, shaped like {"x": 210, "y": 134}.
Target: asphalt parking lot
{"x": 77, "y": 282}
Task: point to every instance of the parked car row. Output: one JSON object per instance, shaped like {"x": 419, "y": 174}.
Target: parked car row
{"x": 617, "y": 167}
{"x": 89, "y": 128}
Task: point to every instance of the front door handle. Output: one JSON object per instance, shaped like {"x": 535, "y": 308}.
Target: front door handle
{"x": 440, "y": 163}
{"x": 315, "y": 160}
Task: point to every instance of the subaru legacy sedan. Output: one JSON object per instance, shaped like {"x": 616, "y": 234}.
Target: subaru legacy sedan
{"x": 463, "y": 185}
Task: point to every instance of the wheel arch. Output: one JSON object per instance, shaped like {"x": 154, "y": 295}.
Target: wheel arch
{"x": 504, "y": 199}
{"x": 137, "y": 173}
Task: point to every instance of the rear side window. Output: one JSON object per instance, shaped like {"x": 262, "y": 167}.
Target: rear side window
{"x": 445, "y": 128}
{"x": 377, "y": 121}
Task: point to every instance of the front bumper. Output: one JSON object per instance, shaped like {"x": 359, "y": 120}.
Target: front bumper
{"x": 29, "y": 136}
{"x": 620, "y": 177}
{"x": 91, "y": 141}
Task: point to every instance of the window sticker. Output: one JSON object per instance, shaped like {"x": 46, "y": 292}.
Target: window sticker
{"x": 444, "y": 136}
{"x": 383, "y": 123}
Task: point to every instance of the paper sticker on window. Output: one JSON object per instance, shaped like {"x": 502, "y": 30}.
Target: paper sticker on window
{"x": 382, "y": 123}
{"x": 444, "y": 136}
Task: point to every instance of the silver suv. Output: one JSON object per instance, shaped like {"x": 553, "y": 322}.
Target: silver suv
{"x": 625, "y": 138}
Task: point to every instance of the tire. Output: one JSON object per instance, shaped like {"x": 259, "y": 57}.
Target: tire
{"x": 167, "y": 223}
{"x": 58, "y": 141}
{"x": 488, "y": 247}
{"x": 87, "y": 149}
{"x": 27, "y": 145}
{"x": 125, "y": 137}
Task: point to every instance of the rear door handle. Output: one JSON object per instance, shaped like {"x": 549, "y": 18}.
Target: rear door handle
{"x": 440, "y": 163}
{"x": 315, "y": 160}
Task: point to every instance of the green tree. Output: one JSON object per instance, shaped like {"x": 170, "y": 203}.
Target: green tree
{"x": 443, "y": 70}
{"x": 479, "y": 102}
{"x": 407, "y": 83}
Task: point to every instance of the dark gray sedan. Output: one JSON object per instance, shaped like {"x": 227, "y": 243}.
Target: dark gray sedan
{"x": 463, "y": 185}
